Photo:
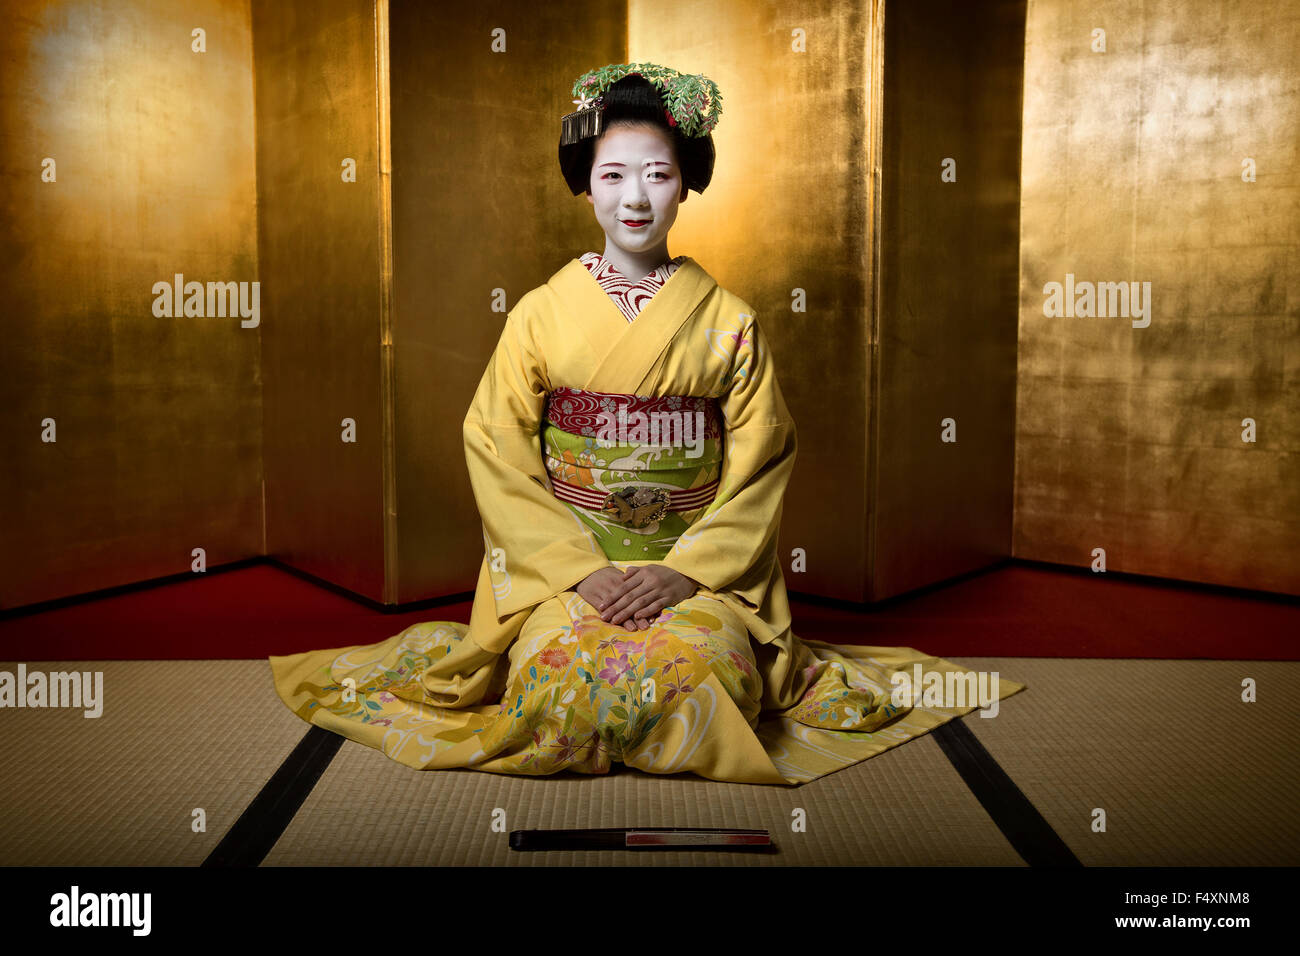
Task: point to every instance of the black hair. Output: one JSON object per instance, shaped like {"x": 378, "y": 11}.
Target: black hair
{"x": 636, "y": 98}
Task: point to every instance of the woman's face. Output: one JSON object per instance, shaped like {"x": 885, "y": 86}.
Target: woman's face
{"x": 635, "y": 187}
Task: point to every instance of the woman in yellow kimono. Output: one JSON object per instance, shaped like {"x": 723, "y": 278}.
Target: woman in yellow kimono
{"x": 628, "y": 448}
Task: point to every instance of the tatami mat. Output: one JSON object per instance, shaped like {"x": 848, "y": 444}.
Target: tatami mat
{"x": 1187, "y": 774}
{"x": 119, "y": 790}
{"x": 906, "y": 806}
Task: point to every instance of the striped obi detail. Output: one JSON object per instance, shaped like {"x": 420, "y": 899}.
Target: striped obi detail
{"x": 635, "y": 470}
{"x": 595, "y": 500}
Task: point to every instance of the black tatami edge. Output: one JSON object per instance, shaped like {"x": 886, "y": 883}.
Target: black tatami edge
{"x": 259, "y": 827}
{"x": 1019, "y": 820}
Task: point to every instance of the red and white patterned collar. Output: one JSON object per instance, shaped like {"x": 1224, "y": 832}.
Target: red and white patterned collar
{"x": 630, "y": 297}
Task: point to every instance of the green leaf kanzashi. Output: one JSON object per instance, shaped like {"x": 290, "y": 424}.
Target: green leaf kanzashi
{"x": 694, "y": 101}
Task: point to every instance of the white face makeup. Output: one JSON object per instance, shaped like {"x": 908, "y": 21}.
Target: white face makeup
{"x": 635, "y": 188}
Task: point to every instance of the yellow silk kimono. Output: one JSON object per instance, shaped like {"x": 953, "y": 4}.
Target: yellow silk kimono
{"x": 537, "y": 683}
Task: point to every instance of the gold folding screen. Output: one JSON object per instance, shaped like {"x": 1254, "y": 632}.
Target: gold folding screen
{"x": 378, "y": 278}
{"x": 328, "y": 433}
{"x": 786, "y": 225}
{"x": 944, "y": 427}
{"x": 480, "y": 216}
{"x": 321, "y": 238}
{"x": 131, "y": 431}
{"x": 888, "y": 293}
{"x": 789, "y": 223}
{"x": 1162, "y": 147}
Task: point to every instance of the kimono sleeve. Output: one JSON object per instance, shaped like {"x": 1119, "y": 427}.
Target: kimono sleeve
{"x": 732, "y": 545}
{"x": 536, "y": 547}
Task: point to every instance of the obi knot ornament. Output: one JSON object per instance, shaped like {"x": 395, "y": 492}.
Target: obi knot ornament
{"x": 637, "y": 506}
{"x": 629, "y": 440}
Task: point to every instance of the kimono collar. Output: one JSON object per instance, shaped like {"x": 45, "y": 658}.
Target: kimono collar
{"x": 627, "y": 351}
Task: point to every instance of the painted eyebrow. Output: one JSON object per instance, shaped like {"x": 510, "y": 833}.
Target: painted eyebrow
{"x": 648, "y": 162}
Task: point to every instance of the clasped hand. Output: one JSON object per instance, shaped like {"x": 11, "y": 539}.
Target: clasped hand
{"x": 634, "y": 600}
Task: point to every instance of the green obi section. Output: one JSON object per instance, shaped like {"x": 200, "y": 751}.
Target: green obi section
{"x": 597, "y": 465}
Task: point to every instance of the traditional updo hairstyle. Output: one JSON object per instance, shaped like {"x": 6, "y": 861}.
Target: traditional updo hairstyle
{"x": 635, "y": 98}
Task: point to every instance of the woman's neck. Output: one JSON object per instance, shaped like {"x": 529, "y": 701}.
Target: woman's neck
{"x": 635, "y": 265}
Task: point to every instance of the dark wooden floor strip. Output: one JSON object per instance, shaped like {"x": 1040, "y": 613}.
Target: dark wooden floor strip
{"x": 259, "y": 827}
{"x": 1019, "y": 820}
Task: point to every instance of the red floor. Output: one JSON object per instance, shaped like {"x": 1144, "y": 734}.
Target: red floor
{"x": 1011, "y": 611}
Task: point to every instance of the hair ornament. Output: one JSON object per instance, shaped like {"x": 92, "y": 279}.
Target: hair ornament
{"x": 692, "y": 102}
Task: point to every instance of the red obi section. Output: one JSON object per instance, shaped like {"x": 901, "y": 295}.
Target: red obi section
{"x": 580, "y": 412}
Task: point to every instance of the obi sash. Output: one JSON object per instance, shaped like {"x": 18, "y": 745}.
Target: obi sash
{"x": 636, "y": 471}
